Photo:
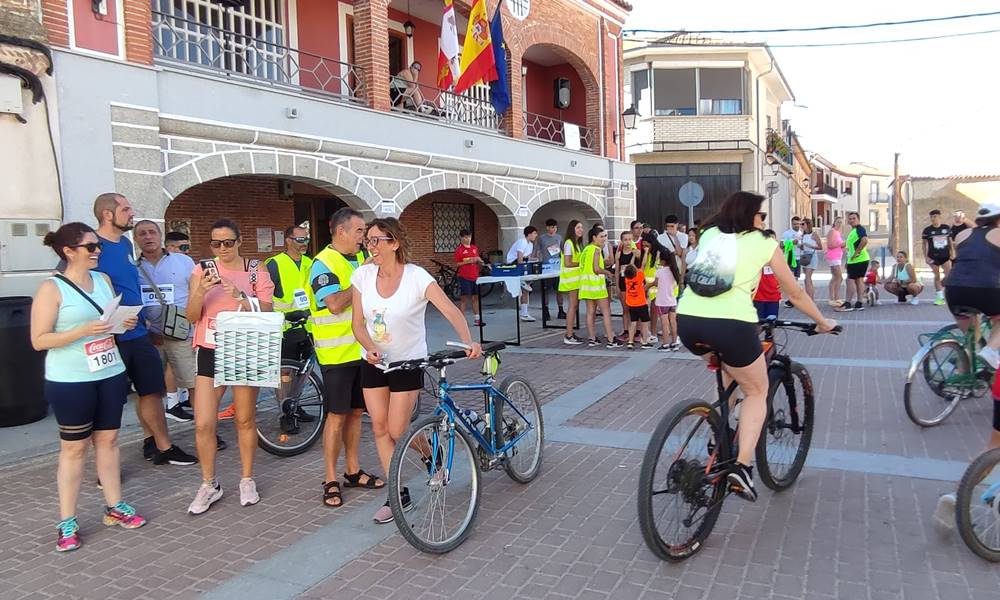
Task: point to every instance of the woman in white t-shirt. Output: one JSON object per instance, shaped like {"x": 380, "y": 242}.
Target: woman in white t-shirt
{"x": 388, "y": 306}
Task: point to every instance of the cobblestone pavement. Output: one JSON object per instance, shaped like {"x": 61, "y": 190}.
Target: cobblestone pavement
{"x": 858, "y": 526}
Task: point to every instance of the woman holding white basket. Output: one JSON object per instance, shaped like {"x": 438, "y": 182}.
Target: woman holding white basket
{"x": 227, "y": 283}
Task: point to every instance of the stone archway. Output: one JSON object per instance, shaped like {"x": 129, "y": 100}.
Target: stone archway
{"x": 330, "y": 176}
{"x": 437, "y": 218}
{"x": 502, "y": 201}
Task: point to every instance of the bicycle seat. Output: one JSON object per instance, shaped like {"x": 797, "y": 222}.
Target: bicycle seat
{"x": 297, "y": 316}
{"x": 493, "y": 347}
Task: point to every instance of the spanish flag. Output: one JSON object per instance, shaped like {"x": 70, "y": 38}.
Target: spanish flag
{"x": 478, "y": 63}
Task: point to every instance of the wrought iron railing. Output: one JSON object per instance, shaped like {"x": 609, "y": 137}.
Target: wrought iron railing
{"x": 257, "y": 57}
{"x": 547, "y": 129}
{"x": 823, "y": 188}
{"x": 469, "y": 108}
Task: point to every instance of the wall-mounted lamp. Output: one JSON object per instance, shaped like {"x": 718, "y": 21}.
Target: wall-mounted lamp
{"x": 629, "y": 116}
{"x": 408, "y": 26}
{"x": 524, "y": 70}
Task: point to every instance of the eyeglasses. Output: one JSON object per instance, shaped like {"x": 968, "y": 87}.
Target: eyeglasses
{"x": 373, "y": 241}
{"x": 184, "y": 247}
{"x": 90, "y": 246}
{"x": 300, "y": 240}
{"x": 216, "y": 244}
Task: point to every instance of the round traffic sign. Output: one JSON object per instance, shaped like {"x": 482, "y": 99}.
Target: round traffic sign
{"x": 691, "y": 194}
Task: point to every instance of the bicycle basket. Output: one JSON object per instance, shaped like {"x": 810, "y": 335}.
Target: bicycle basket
{"x": 248, "y": 349}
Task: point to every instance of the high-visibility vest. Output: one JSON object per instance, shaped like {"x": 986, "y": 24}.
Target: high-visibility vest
{"x": 592, "y": 284}
{"x": 332, "y": 335}
{"x": 294, "y": 282}
{"x": 649, "y": 271}
{"x": 569, "y": 277}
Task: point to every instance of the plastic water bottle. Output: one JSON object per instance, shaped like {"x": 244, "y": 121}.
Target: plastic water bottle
{"x": 471, "y": 415}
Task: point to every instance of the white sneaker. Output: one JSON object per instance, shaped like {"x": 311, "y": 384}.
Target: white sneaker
{"x": 248, "y": 492}
{"x": 527, "y": 318}
{"x": 207, "y": 496}
{"x": 914, "y": 301}
{"x": 944, "y": 514}
{"x": 991, "y": 357}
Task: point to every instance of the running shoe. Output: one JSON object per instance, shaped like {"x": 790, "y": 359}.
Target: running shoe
{"x": 123, "y": 515}
{"x": 740, "y": 478}
{"x": 178, "y": 414}
{"x": 916, "y": 301}
{"x": 613, "y": 344}
{"x": 208, "y": 494}
{"x": 572, "y": 340}
{"x": 859, "y": 306}
{"x": 630, "y": 346}
{"x": 665, "y": 348}
{"x": 944, "y": 514}
{"x": 227, "y": 413}
{"x": 248, "y": 492}
{"x": 527, "y": 318}
{"x": 384, "y": 514}
{"x": 479, "y": 323}
{"x": 647, "y": 346}
{"x": 845, "y": 307}
{"x": 591, "y": 342}
{"x": 788, "y": 304}
{"x": 675, "y": 346}
{"x": 174, "y": 456}
{"x": 149, "y": 450}
{"x": 69, "y": 535}
{"x": 220, "y": 444}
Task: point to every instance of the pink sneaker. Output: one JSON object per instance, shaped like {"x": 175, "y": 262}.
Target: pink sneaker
{"x": 69, "y": 535}
{"x": 123, "y": 515}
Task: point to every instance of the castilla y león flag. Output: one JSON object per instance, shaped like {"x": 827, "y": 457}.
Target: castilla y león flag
{"x": 478, "y": 63}
{"x": 448, "y": 59}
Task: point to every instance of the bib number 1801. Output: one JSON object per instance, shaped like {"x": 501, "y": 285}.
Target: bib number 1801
{"x": 101, "y": 354}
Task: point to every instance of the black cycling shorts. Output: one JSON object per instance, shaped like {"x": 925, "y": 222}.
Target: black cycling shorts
{"x": 87, "y": 406}
{"x": 737, "y": 342}
{"x": 397, "y": 381}
{"x": 206, "y": 362}
{"x": 342, "y": 388}
{"x": 857, "y": 270}
{"x": 143, "y": 365}
{"x": 938, "y": 260}
{"x": 963, "y": 300}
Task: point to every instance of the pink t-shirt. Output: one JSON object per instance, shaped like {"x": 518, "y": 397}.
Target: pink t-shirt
{"x": 836, "y": 250}
{"x": 665, "y": 284}
{"x": 216, "y": 300}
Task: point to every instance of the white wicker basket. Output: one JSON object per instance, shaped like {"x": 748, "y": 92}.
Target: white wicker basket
{"x": 248, "y": 348}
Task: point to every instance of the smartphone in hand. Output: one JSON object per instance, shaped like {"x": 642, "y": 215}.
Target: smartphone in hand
{"x": 208, "y": 265}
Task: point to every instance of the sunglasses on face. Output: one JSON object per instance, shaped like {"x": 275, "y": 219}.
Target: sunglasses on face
{"x": 216, "y": 244}
{"x": 763, "y": 215}
{"x": 90, "y": 246}
{"x": 300, "y": 240}
{"x": 373, "y": 241}
{"x": 184, "y": 247}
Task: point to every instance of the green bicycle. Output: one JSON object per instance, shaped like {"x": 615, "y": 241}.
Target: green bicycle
{"x": 945, "y": 370}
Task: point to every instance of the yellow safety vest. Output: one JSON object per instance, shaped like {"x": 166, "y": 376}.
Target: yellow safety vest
{"x": 294, "y": 282}
{"x": 332, "y": 335}
{"x": 592, "y": 285}
{"x": 569, "y": 277}
{"x": 649, "y": 271}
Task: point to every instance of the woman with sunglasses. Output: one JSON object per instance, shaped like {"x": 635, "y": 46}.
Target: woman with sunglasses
{"x": 85, "y": 380}
{"x": 226, "y": 285}
{"x": 390, "y": 299}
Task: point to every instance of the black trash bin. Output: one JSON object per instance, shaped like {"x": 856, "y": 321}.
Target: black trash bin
{"x": 22, "y": 369}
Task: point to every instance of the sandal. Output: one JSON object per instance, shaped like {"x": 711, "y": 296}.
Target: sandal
{"x": 371, "y": 482}
{"x": 331, "y": 491}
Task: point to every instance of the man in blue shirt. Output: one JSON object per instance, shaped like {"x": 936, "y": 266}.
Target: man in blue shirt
{"x": 142, "y": 361}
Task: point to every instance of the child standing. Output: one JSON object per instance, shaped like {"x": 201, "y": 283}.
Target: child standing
{"x": 667, "y": 277}
{"x": 767, "y": 298}
{"x": 872, "y": 280}
{"x": 637, "y": 306}
{"x": 468, "y": 260}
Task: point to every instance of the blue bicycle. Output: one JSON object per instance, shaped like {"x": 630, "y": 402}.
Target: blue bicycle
{"x": 434, "y": 481}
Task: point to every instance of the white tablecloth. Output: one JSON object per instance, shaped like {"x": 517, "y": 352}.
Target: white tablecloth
{"x": 513, "y": 283}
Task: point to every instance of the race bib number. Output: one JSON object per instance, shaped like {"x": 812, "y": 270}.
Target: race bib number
{"x": 101, "y": 354}
{"x": 300, "y": 300}
{"x": 210, "y": 332}
{"x": 940, "y": 243}
{"x": 149, "y": 297}
{"x": 768, "y": 270}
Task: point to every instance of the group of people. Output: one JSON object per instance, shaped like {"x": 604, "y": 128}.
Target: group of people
{"x": 366, "y": 303}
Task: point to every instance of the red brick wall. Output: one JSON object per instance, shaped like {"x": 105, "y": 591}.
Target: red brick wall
{"x": 250, "y": 202}
{"x": 418, "y": 219}
{"x": 138, "y": 31}
{"x": 56, "y": 22}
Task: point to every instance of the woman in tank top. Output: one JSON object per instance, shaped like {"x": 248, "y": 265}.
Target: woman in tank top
{"x": 835, "y": 258}
{"x": 85, "y": 380}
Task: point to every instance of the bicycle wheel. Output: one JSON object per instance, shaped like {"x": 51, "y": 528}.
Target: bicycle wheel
{"x": 290, "y": 418}
{"x": 977, "y": 506}
{"x": 782, "y": 449}
{"x": 444, "y": 494}
{"x": 679, "y": 500}
{"x": 938, "y": 378}
{"x": 524, "y": 460}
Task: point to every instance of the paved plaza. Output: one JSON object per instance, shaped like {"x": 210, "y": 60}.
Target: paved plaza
{"x": 856, "y": 525}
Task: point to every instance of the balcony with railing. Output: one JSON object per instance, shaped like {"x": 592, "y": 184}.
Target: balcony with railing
{"x": 779, "y": 146}
{"x": 472, "y": 107}
{"x": 823, "y": 191}
{"x": 560, "y": 133}
{"x": 878, "y": 198}
{"x": 257, "y": 55}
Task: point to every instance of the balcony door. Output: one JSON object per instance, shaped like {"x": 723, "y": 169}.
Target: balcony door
{"x": 398, "y": 60}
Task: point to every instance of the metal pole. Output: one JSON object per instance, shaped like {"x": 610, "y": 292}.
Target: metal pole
{"x": 897, "y": 198}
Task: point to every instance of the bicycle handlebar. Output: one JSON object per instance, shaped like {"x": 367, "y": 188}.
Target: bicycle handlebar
{"x": 440, "y": 359}
{"x": 806, "y": 327}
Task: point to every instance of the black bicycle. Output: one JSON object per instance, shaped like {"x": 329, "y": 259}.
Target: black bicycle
{"x": 682, "y": 482}
{"x": 447, "y": 278}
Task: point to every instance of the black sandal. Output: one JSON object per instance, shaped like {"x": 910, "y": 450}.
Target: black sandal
{"x": 354, "y": 481}
{"x": 331, "y": 491}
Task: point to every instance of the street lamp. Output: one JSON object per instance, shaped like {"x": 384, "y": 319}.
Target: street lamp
{"x": 629, "y": 116}
{"x": 408, "y": 26}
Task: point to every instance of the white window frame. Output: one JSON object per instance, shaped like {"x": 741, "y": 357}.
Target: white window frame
{"x": 346, "y": 9}
{"x": 120, "y": 26}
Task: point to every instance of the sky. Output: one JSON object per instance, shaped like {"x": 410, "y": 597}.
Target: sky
{"x": 935, "y": 102}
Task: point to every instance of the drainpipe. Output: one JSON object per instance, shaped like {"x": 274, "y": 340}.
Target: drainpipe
{"x": 757, "y": 167}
